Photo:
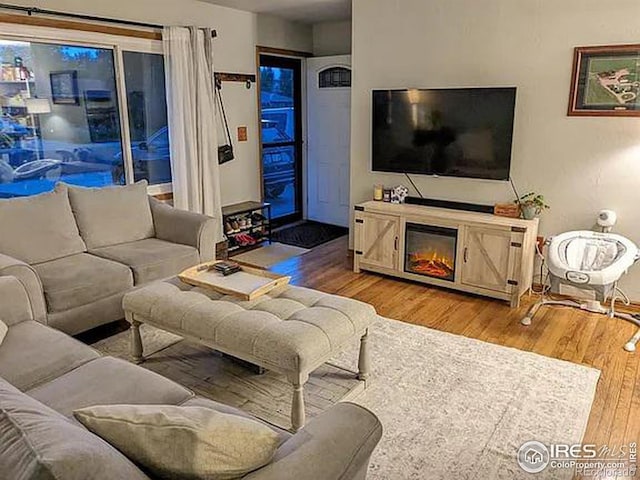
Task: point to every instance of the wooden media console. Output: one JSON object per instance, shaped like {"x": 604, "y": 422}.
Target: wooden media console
{"x": 473, "y": 252}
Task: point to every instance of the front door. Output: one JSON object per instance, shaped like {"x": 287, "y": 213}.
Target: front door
{"x": 329, "y": 139}
{"x": 281, "y": 122}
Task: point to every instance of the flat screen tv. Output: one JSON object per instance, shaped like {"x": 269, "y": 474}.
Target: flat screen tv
{"x": 460, "y": 132}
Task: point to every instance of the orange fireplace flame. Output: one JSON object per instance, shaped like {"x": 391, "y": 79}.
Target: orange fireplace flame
{"x": 432, "y": 263}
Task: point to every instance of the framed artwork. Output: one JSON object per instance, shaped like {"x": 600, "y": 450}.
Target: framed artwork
{"x": 606, "y": 81}
{"x": 64, "y": 87}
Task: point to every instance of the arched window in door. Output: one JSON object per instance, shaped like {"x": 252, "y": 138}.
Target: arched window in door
{"x": 334, "y": 77}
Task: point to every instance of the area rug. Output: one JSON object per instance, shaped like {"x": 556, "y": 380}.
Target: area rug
{"x": 269, "y": 255}
{"x": 451, "y": 406}
{"x": 309, "y": 234}
{"x": 231, "y": 381}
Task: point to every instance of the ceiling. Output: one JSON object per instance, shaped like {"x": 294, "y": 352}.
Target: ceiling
{"x": 307, "y": 11}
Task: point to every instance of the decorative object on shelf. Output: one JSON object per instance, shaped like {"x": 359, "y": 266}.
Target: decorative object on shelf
{"x": 64, "y": 87}
{"x": 15, "y": 72}
{"x": 378, "y": 192}
{"x": 531, "y": 205}
{"x": 605, "y": 81}
{"x": 509, "y": 210}
{"x": 399, "y": 193}
{"x": 386, "y": 195}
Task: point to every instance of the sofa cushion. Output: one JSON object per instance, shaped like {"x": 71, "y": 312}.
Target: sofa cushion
{"x": 37, "y": 443}
{"x": 108, "y": 381}
{"x": 39, "y": 228}
{"x": 3, "y": 331}
{"x": 183, "y": 442}
{"x": 81, "y": 279}
{"x": 112, "y": 215}
{"x": 151, "y": 259}
{"x": 33, "y": 353}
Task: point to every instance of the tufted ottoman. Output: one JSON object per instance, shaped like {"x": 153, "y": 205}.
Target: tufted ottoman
{"x": 292, "y": 330}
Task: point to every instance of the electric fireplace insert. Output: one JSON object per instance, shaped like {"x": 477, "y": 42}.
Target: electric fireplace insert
{"x": 430, "y": 251}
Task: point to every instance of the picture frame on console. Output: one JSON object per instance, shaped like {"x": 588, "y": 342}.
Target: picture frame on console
{"x": 605, "y": 81}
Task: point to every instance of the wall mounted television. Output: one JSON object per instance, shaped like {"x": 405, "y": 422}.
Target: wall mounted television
{"x": 457, "y": 132}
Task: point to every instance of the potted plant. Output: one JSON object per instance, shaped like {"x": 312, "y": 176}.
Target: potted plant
{"x": 531, "y": 205}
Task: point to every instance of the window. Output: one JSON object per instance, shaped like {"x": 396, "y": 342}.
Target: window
{"x": 334, "y": 77}
{"x": 147, "y": 108}
{"x": 68, "y": 114}
{"x": 49, "y": 133}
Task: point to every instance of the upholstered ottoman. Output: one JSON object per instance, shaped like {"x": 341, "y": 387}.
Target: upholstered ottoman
{"x": 292, "y": 330}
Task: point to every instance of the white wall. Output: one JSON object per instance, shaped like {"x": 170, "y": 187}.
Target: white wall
{"x": 332, "y": 38}
{"x": 238, "y": 35}
{"x": 580, "y": 164}
{"x": 279, "y": 33}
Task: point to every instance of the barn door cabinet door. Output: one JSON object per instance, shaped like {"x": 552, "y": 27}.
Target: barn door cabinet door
{"x": 377, "y": 239}
{"x": 487, "y": 258}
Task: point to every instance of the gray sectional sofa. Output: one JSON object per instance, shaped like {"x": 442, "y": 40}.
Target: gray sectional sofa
{"x": 78, "y": 250}
{"x": 45, "y": 375}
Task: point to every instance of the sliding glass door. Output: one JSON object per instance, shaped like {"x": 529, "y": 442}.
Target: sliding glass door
{"x": 281, "y": 121}
{"x": 147, "y": 112}
{"x": 82, "y": 114}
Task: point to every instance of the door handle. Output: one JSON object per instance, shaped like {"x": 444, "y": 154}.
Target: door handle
{"x": 395, "y": 243}
{"x": 465, "y": 255}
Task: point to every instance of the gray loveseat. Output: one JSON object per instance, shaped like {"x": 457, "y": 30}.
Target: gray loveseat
{"x": 79, "y": 250}
{"x": 45, "y": 375}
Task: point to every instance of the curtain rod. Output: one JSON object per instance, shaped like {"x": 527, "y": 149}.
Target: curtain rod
{"x": 35, "y": 10}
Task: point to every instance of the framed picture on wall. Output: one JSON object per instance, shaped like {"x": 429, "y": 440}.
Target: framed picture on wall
{"x": 64, "y": 87}
{"x": 606, "y": 81}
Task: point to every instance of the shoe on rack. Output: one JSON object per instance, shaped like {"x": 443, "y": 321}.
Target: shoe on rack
{"x": 257, "y": 217}
{"x": 245, "y": 240}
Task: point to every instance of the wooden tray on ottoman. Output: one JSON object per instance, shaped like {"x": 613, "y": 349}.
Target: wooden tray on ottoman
{"x": 248, "y": 284}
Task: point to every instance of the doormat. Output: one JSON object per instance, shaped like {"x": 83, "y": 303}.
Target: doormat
{"x": 309, "y": 234}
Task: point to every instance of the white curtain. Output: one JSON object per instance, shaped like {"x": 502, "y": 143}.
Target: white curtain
{"x": 191, "y": 104}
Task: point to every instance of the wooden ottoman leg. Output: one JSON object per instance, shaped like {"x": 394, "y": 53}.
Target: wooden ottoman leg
{"x": 363, "y": 359}
{"x": 297, "y": 405}
{"x": 136, "y": 339}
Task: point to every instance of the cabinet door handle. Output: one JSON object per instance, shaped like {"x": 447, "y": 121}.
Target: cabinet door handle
{"x": 395, "y": 243}
{"x": 465, "y": 255}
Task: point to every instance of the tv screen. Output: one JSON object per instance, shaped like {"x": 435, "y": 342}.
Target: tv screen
{"x": 462, "y": 132}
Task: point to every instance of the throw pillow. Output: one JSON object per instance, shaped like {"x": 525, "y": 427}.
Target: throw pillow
{"x": 39, "y": 228}
{"x": 183, "y": 442}
{"x": 38, "y": 443}
{"x": 3, "y": 331}
{"x": 112, "y": 215}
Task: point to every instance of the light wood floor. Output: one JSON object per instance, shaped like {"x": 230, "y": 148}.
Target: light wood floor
{"x": 566, "y": 334}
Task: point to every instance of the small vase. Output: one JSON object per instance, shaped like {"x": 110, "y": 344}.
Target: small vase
{"x": 528, "y": 212}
